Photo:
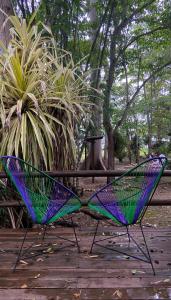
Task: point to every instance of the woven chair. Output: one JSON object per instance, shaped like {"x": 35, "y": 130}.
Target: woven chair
{"x": 46, "y": 199}
{"x": 124, "y": 201}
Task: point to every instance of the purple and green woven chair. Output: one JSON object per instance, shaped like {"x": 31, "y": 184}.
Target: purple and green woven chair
{"x": 125, "y": 200}
{"x": 46, "y": 199}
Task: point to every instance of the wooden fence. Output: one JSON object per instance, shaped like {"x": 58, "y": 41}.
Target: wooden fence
{"x": 95, "y": 173}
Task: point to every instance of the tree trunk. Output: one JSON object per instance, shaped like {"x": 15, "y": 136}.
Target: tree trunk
{"x": 94, "y": 159}
{"x": 97, "y": 111}
{"x": 106, "y": 150}
{"x": 129, "y": 146}
{"x": 6, "y": 6}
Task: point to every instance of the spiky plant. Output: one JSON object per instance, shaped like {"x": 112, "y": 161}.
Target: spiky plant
{"x": 41, "y": 98}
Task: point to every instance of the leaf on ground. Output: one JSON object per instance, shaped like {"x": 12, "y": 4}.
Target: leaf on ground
{"x": 160, "y": 281}
{"x": 48, "y": 250}
{"x": 77, "y": 295}
{"x": 156, "y": 282}
{"x": 137, "y": 272}
{"x": 23, "y": 262}
{"x": 24, "y": 286}
{"x": 37, "y": 245}
{"x": 37, "y": 276}
{"x": 157, "y": 296}
{"x": 39, "y": 259}
{"x": 156, "y": 262}
{"x": 148, "y": 225}
{"x": 117, "y": 293}
{"x": 93, "y": 256}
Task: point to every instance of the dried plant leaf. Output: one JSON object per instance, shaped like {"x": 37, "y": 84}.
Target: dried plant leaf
{"x": 117, "y": 293}
{"x": 37, "y": 276}
{"x": 23, "y": 262}
{"x": 93, "y": 256}
{"x": 24, "y": 286}
{"x": 39, "y": 259}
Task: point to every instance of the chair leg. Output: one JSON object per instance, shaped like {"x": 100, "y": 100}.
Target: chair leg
{"x": 94, "y": 236}
{"x": 147, "y": 250}
{"x": 44, "y": 233}
{"x": 129, "y": 238}
{"x": 78, "y": 247}
{"x": 20, "y": 251}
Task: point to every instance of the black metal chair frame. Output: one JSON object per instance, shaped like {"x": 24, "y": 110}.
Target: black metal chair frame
{"x": 22, "y": 254}
{"x": 147, "y": 257}
{"x": 21, "y": 251}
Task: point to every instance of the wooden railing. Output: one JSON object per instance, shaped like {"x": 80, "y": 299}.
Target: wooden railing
{"x": 99, "y": 173}
{"x": 91, "y": 173}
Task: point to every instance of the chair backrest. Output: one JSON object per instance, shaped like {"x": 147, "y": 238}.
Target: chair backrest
{"x": 45, "y": 198}
{"x": 125, "y": 199}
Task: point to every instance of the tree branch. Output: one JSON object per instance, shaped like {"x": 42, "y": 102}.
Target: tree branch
{"x": 97, "y": 33}
{"x": 125, "y": 112}
{"x": 129, "y": 18}
{"x": 104, "y": 47}
{"x": 135, "y": 38}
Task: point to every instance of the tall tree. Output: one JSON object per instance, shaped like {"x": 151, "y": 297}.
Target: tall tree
{"x": 6, "y": 9}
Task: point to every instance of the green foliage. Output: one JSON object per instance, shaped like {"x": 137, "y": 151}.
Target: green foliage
{"x": 41, "y": 97}
{"x": 131, "y": 42}
{"x": 120, "y": 146}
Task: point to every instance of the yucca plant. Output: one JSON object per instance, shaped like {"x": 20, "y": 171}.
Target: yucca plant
{"x": 41, "y": 98}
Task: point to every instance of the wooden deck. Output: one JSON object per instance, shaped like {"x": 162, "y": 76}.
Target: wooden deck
{"x": 66, "y": 275}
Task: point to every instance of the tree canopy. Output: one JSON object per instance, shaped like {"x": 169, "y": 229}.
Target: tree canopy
{"x": 124, "y": 49}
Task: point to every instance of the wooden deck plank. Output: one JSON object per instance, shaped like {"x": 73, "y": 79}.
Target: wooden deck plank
{"x": 84, "y": 294}
{"x": 67, "y": 275}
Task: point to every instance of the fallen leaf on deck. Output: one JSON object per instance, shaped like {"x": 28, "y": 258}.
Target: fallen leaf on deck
{"x": 38, "y": 245}
{"x": 37, "y": 276}
{"x": 160, "y": 281}
{"x": 48, "y": 250}
{"x": 156, "y": 282}
{"x": 137, "y": 272}
{"x": 39, "y": 259}
{"x": 156, "y": 296}
{"x": 24, "y": 286}
{"x": 117, "y": 293}
{"x": 77, "y": 295}
{"x": 93, "y": 256}
{"x": 23, "y": 262}
{"x": 156, "y": 262}
{"x": 148, "y": 225}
